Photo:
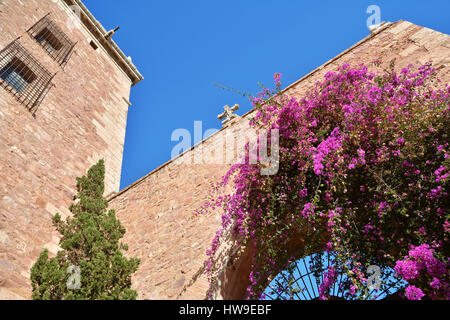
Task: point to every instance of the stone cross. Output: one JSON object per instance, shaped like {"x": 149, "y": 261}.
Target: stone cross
{"x": 228, "y": 115}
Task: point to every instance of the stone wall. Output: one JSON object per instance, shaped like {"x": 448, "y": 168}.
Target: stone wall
{"x": 157, "y": 210}
{"x": 81, "y": 120}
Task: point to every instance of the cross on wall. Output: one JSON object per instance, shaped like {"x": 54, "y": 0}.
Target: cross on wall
{"x": 228, "y": 114}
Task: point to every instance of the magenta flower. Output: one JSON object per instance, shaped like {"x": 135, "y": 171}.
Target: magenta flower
{"x": 303, "y": 193}
{"x": 413, "y": 293}
{"x": 308, "y": 209}
{"x": 356, "y": 141}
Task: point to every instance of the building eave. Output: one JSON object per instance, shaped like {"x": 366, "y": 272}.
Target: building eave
{"x": 112, "y": 49}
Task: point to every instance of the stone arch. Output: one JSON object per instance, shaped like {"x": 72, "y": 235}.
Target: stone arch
{"x": 233, "y": 280}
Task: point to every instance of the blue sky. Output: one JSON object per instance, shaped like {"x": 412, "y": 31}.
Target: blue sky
{"x": 183, "y": 47}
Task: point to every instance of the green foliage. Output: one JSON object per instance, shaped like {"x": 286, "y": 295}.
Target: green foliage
{"x": 363, "y": 174}
{"x": 90, "y": 241}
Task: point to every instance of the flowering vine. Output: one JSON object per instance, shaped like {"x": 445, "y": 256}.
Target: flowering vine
{"x": 363, "y": 173}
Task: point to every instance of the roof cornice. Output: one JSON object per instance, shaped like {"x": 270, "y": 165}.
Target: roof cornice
{"x": 98, "y": 32}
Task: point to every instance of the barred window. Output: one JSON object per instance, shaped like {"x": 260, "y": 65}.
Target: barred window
{"x": 48, "y": 41}
{"x": 52, "y": 39}
{"x": 17, "y": 75}
{"x": 23, "y": 76}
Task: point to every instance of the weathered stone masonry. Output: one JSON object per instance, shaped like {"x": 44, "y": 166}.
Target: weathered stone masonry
{"x": 157, "y": 210}
{"x": 81, "y": 120}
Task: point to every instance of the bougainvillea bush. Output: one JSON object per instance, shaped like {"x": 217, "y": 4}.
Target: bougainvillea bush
{"x": 363, "y": 173}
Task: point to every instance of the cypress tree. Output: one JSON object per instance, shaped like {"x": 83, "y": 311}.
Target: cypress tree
{"x": 90, "y": 265}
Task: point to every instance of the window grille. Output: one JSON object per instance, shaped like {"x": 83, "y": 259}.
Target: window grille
{"x": 52, "y": 39}
{"x": 23, "y": 76}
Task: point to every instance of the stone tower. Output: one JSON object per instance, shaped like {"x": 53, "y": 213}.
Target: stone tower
{"x": 64, "y": 97}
